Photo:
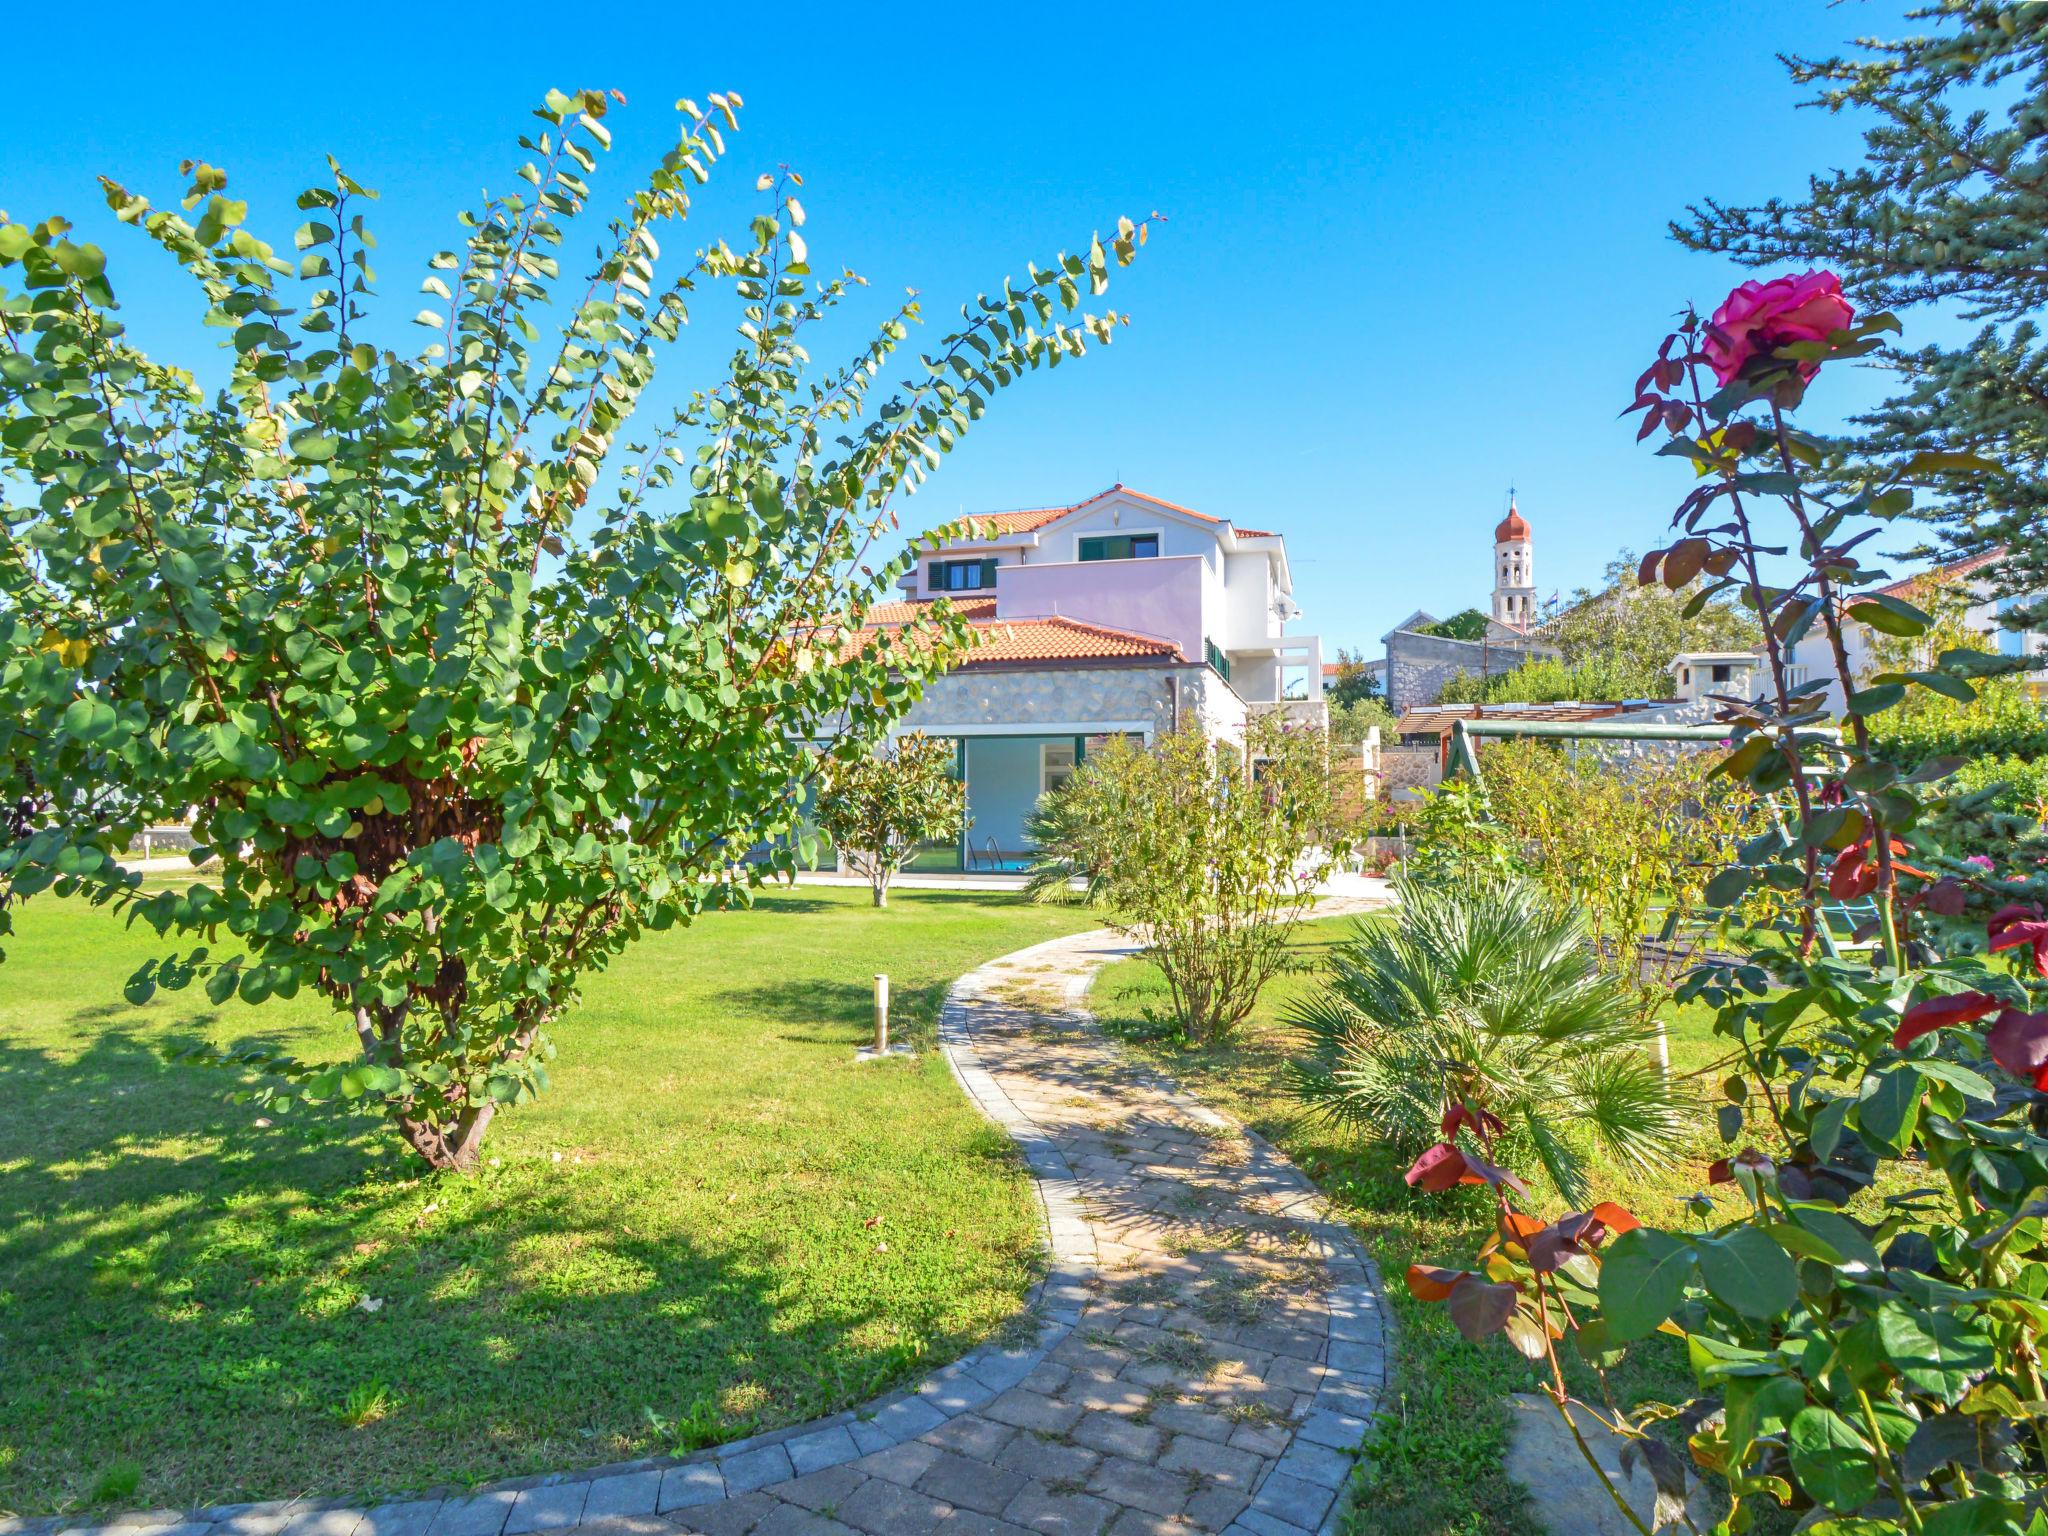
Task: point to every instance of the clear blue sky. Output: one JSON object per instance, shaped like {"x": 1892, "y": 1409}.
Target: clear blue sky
{"x": 1413, "y": 255}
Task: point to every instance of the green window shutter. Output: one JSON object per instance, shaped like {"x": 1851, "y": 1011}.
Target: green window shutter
{"x": 988, "y": 573}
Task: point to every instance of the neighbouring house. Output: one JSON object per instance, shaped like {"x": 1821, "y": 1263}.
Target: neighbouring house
{"x": 1119, "y": 615}
{"x": 1419, "y": 663}
{"x": 1414, "y": 764}
{"x": 1811, "y": 656}
{"x": 1700, "y": 675}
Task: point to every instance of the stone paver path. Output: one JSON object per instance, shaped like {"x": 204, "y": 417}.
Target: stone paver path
{"x": 1203, "y": 1354}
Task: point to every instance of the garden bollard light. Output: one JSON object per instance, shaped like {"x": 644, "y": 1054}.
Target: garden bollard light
{"x": 881, "y": 1014}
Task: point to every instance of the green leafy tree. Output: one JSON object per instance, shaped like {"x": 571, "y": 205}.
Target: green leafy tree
{"x": 1945, "y": 208}
{"x": 1210, "y": 852}
{"x": 1469, "y": 625}
{"x": 467, "y": 664}
{"x": 1353, "y": 683}
{"x": 877, "y": 809}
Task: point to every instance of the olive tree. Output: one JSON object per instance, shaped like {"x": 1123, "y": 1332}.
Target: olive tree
{"x": 467, "y": 663}
{"x": 878, "y": 809}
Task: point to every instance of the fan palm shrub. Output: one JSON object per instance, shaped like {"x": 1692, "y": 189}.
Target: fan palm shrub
{"x": 1481, "y": 991}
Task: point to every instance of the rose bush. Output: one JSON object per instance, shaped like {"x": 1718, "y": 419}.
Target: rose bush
{"x": 1865, "y": 1320}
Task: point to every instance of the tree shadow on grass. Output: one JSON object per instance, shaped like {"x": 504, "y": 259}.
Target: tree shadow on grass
{"x": 185, "y": 1289}
{"x": 845, "y": 1008}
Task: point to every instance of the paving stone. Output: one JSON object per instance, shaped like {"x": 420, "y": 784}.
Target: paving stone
{"x": 820, "y": 1449}
{"x": 1260, "y": 1524}
{"x": 1214, "y": 1507}
{"x": 1292, "y": 1498}
{"x": 1214, "y": 1463}
{"x": 967, "y": 1522}
{"x": 482, "y": 1515}
{"x": 729, "y": 1517}
{"x": 1139, "y": 1522}
{"x": 904, "y": 1463}
{"x": 912, "y": 1416}
{"x": 868, "y": 1437}
{"x": 411, "y": 1518}
{"x": 1261, "y": 1439}
{"x": 689, "y": 1485}
{"x": 1190, "y": 1419}
{"x": 551, "y": 1507}
{"x": 1030, "y": 1410}
{"x": 625, "y": 1493}
{"x": 1339, "y": 1430}
{"x": 972, "y": 1435}
{"x": 755, "y": 1469}
{"x": 792, "y": 1520}
{"x": 1136, "y": 1484}
{"x": 888, "y": 1509}
{"x": 1048, "y": 1460}
{"x": 821, "y": 1490}
{"x": 1039, "y": 1508}
{"x": 308, "y": 1522}
{"x": 257, "y": 1521}
{"x": 1314, "y": 1463}
{"x": 971, "y": 1484}
{"x": 1116, "y": 1434}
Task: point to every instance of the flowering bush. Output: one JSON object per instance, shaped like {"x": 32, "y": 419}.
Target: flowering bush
{"x": 1864, "y": 1319}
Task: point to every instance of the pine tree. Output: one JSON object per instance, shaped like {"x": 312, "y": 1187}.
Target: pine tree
{"x": 1949, "y": 206}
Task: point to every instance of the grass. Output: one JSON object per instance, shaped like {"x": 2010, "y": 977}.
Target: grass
{"x": 714, "y": 1222}
{"x": 1435, "y": 1466}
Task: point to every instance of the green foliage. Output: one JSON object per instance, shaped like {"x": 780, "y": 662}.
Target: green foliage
{"x": 1943, "y": 209}
{"x": 2003, "y": 720}
{"x": 1457, "y": 835}
{"x": 1212, "y": 853}
{"x": 1550, "y": 679}
{"x": 466, "y": 677}
{"x": 1469, "y": 625}
{"x": 1351, "y": 721}
{"x": 1485, "y": 992}
{"x": 1613, "y": 837}
{"x": 878, "y": 809}
{"x": 1353, "y": 684}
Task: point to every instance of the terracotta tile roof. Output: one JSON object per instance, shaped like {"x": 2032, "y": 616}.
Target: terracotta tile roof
{"x": 1023, "y": 640}
{"x": 1950, "y": 571}
{"x": 884, "y": 614}
{"x": 1025, "y": 519}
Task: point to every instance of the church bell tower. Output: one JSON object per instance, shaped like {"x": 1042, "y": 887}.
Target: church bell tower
{"x": 1514, "y": 571}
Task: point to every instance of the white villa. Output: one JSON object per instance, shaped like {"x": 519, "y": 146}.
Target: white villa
{"x": 1118, "y": 615}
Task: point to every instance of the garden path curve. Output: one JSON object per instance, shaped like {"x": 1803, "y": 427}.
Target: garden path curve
{"x": 1209, "y": 1345}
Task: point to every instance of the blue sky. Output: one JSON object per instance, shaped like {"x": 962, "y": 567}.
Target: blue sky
{"x": 1412, "y": 255}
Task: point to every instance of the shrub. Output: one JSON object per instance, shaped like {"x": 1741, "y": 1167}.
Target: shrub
{"x": 1484, "y": 992}
{"x": 1457, "y": 834}
{"x": 878, "y": 809}
{"x": 466, "y": 674}
{"x": 1209, "y": 852}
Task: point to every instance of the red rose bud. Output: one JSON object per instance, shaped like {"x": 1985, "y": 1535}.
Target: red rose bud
{"x": 1932, "y": 1013}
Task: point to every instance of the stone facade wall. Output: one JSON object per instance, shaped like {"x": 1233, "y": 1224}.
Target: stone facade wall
{"x": 976, "y": 699}
{"x": 1406, "y": 773}
{"x": 1419, "y": 665}
{"x": 1698, "y": 712}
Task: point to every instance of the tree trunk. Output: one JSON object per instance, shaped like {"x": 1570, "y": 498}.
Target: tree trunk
{"x": 881, "y": 889}
{"x": 448, "y": 1148}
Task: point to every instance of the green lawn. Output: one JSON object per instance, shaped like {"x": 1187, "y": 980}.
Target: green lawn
{"x": 714, "y": 1218}
{"x": 1436, "y": 1464}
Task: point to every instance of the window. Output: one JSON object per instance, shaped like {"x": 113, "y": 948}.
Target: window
{"x": 1055, "y": 765}
{"x": 1685, "y": 677}
{"x": 961, "y": 576}
{"x": 1722, "y": 671}
{"x": 1120, "y": 546}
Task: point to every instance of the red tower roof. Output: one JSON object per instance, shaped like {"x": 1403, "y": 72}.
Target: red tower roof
{"x": 1513, "y": 526}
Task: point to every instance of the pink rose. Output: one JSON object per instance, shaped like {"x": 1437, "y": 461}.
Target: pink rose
{"x": 1981, "y": 861}
{"x": 1758, "y": 318}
